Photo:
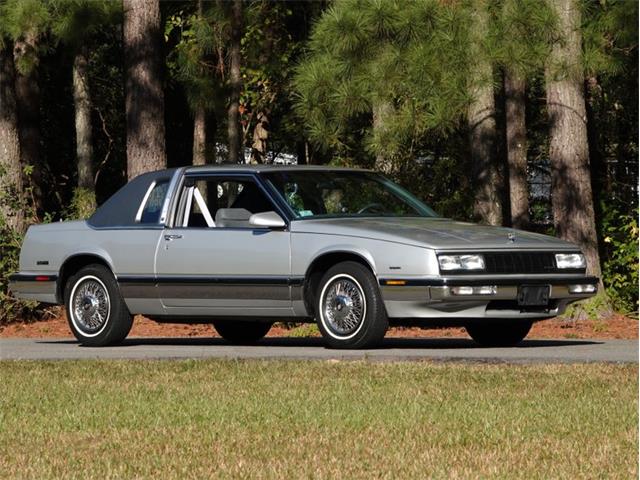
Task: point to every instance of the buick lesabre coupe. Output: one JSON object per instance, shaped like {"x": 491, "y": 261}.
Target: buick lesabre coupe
{"x": 242, "y": 247}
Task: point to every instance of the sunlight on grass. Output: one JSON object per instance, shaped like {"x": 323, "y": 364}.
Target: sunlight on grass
{"x": 195, "y": 419}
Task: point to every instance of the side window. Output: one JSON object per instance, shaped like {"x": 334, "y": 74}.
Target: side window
{"x": 150, "y": 211}
{"x": 221, "y": 202}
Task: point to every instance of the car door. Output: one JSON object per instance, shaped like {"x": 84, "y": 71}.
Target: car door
{"x": 213, "y": 262}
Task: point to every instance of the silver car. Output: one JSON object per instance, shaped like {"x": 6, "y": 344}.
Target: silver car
{"x": 245, "y": 246}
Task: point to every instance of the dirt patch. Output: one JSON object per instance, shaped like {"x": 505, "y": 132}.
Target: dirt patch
{"x": 616, "y": 326}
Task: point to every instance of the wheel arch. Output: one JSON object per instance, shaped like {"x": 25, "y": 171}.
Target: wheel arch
{"x": 72, "y": 265}
{"x": 323, "y": 262}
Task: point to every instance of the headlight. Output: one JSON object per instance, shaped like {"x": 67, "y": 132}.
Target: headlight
{"x": 461, "y": 262}
{"x": 570, "y": 260}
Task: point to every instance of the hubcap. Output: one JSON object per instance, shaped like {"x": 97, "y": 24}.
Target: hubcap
{"x": 343, "y": 306}
{"x": 90, "y": 304}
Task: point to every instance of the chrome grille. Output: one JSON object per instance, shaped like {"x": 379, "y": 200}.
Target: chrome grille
{"x": 504, "y": 263}
{"x": 519, "y": 262}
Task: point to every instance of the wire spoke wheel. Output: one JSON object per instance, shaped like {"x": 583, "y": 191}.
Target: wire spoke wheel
{"x": 348, "y": 307}
{"x": 90, "y": 305}
{"x": 96, "y": 311}
{"x": 343, "y": 305}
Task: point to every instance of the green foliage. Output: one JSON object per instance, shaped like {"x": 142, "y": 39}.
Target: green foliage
{"x": 595, "y": 308}
{"x": 609, "y": 32}
{"x": 619, "y": 239}
{"x": 196, "y": 59}
{"x": 82, "y": 205}
{"x": 409, "y": 56}
{"x": 25, "y": 20}
{"x": 521, "y": 35}
{"x": 198, "y": 62}
{"x": 12, "y": 308}
{"x": 73, "y": 21}
{"x": 618, "y": 235}
{"x": 267, "y": 50}
{"x": 22, "y": 17}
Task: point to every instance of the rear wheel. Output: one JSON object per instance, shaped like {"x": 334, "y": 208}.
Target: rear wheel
{"x": 241, "y": 332}
{"x": 96, "y": 312}
{"x": 349, "y": 309}
{"x": 499, "y": 334}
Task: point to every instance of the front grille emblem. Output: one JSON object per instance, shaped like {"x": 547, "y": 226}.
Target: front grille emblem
{"x": 512, "y": 237}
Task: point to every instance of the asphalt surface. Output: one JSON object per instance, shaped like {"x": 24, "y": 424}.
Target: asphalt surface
{"x": 392, "y": 349}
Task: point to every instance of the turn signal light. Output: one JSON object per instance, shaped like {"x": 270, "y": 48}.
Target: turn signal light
{"x": 582, "y": 288}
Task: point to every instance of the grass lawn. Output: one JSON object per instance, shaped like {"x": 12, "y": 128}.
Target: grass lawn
{"x": 271, "y": 419}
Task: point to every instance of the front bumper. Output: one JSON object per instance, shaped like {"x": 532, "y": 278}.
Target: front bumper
{"x": 439, "y": 297}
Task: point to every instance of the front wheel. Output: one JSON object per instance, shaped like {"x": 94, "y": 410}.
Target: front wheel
{"x": 241, "y": 332}
{"x": 499, "y": 334}
{"x": 96, "y": 312}
{"x": 349, "y": 309}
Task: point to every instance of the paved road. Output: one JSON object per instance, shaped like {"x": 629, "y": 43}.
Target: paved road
{"x": 393, "y": 349}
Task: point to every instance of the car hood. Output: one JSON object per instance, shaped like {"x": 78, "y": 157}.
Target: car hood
{"x": 437, "y": 233}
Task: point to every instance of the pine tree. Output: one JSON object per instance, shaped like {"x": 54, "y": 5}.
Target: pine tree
{"x": 196, "y": 61}
{"x": 11, "y": 185}
{"x": 521, "y": 37}
{"x": 200, "y": 119}
{"x": 74, "y": 23}
{"x": 268, "y": 52}
{"x": 143, "y": 86}
{"x": 516, "y": 146}
{"x": 25, "y": 22}
{"x": 487, "y": 174}
{"x": 572, "y": 198}
{"x": 383, "y": 75}
{"x": 236, "y": 154}
{"x": 84, "y": 136}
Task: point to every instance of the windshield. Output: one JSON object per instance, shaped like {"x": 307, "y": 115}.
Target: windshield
{"x": 335, "y": 193}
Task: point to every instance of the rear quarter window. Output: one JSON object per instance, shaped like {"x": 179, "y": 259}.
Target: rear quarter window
{"x": 137, "y": 204}
{"x": 152, "y": 207}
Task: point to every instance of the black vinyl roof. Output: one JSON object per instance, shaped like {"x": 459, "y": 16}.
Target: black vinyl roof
{"x": 121, "y": 208}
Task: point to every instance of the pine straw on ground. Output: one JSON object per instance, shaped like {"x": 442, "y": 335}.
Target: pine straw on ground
{"x": 615, "y": 326}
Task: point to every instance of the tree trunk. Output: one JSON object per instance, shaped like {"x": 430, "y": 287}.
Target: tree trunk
{"x": 381, "y": 112}
{"x": 601, "y": 182}
{"x": 260, "y": 137}
{"x": 143, "y": 87}
{"x": 482, "y": 128}
{"x": 202, "y": 125}
{"x": 11, "y": 186}
{"x": 572, "y": 198}
{"x": 235, "y": 80}
{"x": 200, "y": 136}
{"x": 28, "y": 102}
{"x": 84, "y": 137}
{"x": 516, "y": 133}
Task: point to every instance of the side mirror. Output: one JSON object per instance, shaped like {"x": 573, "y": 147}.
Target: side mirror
{"x": 266, "y": 219}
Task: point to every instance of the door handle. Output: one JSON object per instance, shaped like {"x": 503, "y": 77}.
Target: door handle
{"x": 168, "y": 238}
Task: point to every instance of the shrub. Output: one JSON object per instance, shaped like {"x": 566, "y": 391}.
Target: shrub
{"x": 11, "y": 308}
{"x": 619, "y": 241}
{"x": 83, "y": 204}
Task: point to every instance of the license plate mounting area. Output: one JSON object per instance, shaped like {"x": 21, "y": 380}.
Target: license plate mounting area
{"x": 533, "y": 295}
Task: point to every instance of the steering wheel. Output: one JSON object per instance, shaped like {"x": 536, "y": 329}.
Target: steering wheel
{"x": 371, "y": 206}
